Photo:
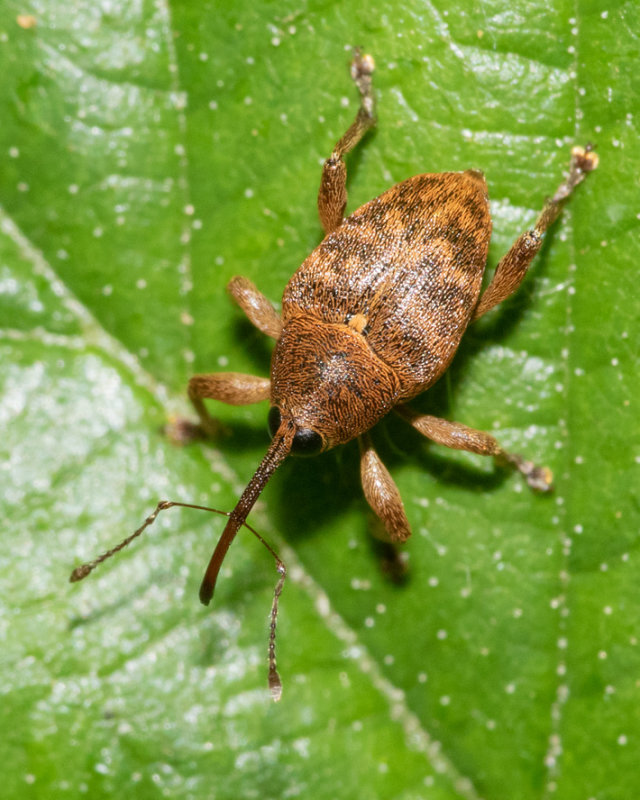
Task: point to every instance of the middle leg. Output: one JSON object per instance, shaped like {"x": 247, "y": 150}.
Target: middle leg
{"x": 460, "y": 437}
{"x": 256, "y": 306}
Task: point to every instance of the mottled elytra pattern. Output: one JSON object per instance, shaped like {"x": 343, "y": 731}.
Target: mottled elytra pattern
{"x": 410, "y": 263}
{"x": 372, "y": 318}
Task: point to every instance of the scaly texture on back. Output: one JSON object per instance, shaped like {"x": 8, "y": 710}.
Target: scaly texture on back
{"x": 408, "y": 265}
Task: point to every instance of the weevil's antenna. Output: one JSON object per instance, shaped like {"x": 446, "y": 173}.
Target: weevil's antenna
{"x": 277, "y": 452}
{"x": 81, "y": 572}
{"x": 279, "y": 449}
{"x": 275, "y": 683}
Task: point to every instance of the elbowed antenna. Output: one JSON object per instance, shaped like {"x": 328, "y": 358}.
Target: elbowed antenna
{"x": 275, "y": 455}
{"x": 277, "y": 452}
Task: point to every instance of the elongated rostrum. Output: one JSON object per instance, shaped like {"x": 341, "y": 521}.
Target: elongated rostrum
{"x": 371, "y": 319}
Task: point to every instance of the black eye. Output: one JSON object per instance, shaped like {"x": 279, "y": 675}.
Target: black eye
{"x": 274, "y": 419}
{"x": 306, "y": 443}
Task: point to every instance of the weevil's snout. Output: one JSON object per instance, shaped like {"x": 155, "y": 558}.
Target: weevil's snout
{"x": 306, "y": 442}
{"x": 278, "y": 450}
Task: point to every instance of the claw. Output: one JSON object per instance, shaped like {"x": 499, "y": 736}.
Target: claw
{"x": 585, "y": 158}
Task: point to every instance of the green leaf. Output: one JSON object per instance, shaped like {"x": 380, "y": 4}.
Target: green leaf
{"x": 148, "y": 153}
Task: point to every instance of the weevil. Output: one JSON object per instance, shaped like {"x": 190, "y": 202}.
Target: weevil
{"x": 371, "y": 319}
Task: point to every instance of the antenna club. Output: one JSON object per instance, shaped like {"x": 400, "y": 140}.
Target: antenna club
{"x": 275, "y": 686}
{"x": 79, "y": 573}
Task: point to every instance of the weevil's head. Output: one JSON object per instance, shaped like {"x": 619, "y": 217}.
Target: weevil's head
{"x": 327, "y": 387}
{"x": 327, "y": 381}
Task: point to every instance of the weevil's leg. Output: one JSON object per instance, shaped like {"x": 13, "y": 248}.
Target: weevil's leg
{"x": 514, "y": 265}
{"x": 381, "y": 492}
{"x": 233, "y": 388}
{"x": 459, "y": 437}
{"x": 332, "y": 197}
{"x": 256, "y": 306}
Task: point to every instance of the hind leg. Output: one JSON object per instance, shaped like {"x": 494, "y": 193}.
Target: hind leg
{"x": 332, "y": 197}
{"x": 513, "y": 266}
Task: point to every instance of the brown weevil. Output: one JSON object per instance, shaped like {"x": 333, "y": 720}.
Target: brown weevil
{"x": 371, "y": 319}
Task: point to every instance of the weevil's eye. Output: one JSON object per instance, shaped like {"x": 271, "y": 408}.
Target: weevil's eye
{"x": 274, "y": 419}
{"x": 306, "y": 442}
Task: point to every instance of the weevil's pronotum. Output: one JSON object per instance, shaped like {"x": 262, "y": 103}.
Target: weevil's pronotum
{"x": 371, "y": 319}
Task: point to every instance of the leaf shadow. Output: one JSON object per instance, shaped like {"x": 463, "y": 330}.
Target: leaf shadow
{"x": 257, "y": 346}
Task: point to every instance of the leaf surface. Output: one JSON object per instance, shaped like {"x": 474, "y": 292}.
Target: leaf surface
{"x": 149, "y": 153}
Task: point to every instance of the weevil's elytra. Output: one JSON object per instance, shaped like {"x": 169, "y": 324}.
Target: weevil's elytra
{"x": 411, "y": 263}
{"x": 371, "y": 319}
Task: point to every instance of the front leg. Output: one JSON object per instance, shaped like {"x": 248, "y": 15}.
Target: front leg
{"x": 381, "y": 492}
{"x": 332, "y": 197}
{"x": 460, "y": 437}
{"x": 233, "y": 388}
